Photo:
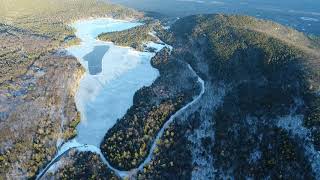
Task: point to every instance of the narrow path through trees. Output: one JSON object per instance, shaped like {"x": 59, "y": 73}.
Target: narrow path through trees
{"x": 83, "y": 147}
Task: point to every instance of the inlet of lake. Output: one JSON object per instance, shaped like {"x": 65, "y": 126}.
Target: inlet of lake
{"x": 113, "y": 75}
{"x": 105, "y": 93}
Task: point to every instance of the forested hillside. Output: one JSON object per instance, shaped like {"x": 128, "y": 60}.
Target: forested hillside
{"x": 254, "y": 87}
{"x": 263, "y": 82}
{"x": 38, "y": 80}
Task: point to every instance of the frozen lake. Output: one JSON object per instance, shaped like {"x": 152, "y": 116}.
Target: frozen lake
{"x": 113, "y": 75}
{"x": 94, "y": 59}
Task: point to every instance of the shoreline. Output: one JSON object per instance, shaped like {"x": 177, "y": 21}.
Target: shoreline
{"x": 73, "y": 144}
{"x": 68, "y": 145}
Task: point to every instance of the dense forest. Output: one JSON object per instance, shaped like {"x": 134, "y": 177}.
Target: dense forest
{"x": 153, "y": 106}
{"x": 268, "y": 74}
{"x": 135, "y": 37}
{"x": 270, "y": 77}
{"x": 258, "y": 118}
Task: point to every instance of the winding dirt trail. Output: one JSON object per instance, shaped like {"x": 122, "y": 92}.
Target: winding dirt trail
{"x": 171, "y": 119}
{"x": 64, "y": 148}
{"x": 83, "y": 147}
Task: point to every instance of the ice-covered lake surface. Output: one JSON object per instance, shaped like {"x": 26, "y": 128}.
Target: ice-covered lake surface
{"x": 94, "y": 59}
{"x": 104, "y": 97}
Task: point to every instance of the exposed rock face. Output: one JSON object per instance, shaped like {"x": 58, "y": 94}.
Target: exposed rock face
{"x": 37, "y": 108}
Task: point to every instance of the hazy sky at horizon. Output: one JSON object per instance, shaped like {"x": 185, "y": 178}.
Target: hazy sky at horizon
{"x": 303, "y": 15}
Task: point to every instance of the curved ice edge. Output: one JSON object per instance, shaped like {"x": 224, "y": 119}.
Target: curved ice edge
{"x": 73, "y": 144}
{"x": 64, "y": 148}
{"x": 171, "y": 119}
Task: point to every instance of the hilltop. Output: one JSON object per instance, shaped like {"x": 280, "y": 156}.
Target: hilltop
{"x": 258, "y": 117}
{"x": 262, "y": 86}
{"x": 259, "y": 114}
